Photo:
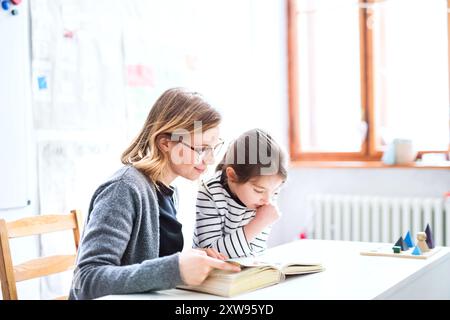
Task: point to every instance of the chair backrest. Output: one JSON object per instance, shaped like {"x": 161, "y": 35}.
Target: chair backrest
{"x": 40, "y": 267}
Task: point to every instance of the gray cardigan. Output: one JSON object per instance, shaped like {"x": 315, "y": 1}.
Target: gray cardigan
{"x": 119, "y": 249}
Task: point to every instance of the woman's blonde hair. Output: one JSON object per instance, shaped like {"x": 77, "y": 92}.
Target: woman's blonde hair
{"x": 176, "y": 109}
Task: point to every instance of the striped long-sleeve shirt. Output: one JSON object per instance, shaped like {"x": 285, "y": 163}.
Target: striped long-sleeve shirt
{"x": 220, "y": 221}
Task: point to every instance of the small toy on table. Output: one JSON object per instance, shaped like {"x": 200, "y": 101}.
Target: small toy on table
{"x": 401, "y": 243}
{"x": 421, "y": 242}
{"x": 405, "y": 247}
{"x": 429, "y": 239}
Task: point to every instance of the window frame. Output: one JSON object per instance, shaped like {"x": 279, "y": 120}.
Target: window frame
{"x": 368, "y": 149}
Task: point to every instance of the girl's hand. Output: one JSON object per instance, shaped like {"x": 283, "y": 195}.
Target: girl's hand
{"x": 267, "y": 214}
{"x": 213, "y": 253}
{"x": 195, "y": 265}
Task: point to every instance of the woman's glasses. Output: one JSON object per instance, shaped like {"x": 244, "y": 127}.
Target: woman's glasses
{"x": 204, "y": 150}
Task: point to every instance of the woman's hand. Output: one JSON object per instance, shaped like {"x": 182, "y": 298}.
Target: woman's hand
{"x": 195, "y": 265}
{"x": 213, "y": 253}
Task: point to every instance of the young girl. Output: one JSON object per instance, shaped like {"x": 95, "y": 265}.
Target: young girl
{"x": 235, "y": 208}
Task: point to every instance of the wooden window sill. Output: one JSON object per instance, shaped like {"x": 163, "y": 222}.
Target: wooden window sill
{"x": 368, "y": 164}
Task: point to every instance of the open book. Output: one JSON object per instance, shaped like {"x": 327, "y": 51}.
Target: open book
{"x": 256, "y": 273}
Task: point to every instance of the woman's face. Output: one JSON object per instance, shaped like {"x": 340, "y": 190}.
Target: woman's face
{"x": 191, "y": 157}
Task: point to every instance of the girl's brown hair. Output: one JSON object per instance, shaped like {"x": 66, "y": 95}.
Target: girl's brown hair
{"x": 254, "y": 153}
{"x": 176, "y": 109}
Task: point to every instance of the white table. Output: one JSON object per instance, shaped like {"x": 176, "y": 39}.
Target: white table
{"x": 348, "y": 275}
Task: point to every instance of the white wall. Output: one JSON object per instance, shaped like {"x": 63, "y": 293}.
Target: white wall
{"x": 14, "y": 106}
{"x": 18, "y": 180}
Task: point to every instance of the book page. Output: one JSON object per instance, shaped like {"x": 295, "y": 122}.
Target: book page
{"x": 291, "y": 263}
{"x": 251, "y": 262}
{"x": 277, "y": 261}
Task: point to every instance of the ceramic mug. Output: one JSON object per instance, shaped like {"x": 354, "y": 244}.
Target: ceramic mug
{"x": 404, "y": 151}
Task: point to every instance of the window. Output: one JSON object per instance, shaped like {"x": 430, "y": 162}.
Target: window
{"x": 362, "y": 73}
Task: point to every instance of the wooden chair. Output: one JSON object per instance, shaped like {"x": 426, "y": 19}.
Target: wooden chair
{"x": 41, "y": 267}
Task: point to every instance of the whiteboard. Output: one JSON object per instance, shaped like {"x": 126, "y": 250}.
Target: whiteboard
{"x": 14, "y": 107}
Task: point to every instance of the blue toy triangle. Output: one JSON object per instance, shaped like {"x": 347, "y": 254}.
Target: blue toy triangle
{"x": 408, "y": 240}
{"x": 416, "y": 251}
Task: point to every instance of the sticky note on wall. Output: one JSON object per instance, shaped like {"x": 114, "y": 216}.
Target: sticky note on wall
{"x": 140, "y": 76}
{"x": 42, "y": 83}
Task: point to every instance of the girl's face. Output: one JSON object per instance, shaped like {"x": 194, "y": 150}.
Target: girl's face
{"x": 256, "y": 192}
{"x": 190, "y": 157}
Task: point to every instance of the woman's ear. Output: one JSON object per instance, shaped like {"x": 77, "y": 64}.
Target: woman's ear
{"x": 231, "y": 174}
{"x": 163, "y": 142}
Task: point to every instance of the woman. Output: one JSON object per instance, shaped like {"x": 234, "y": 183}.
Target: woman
{"x": 132, "y": 240}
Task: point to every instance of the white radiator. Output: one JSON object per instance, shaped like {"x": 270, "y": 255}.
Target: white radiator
{"x": 377, "y": 219}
